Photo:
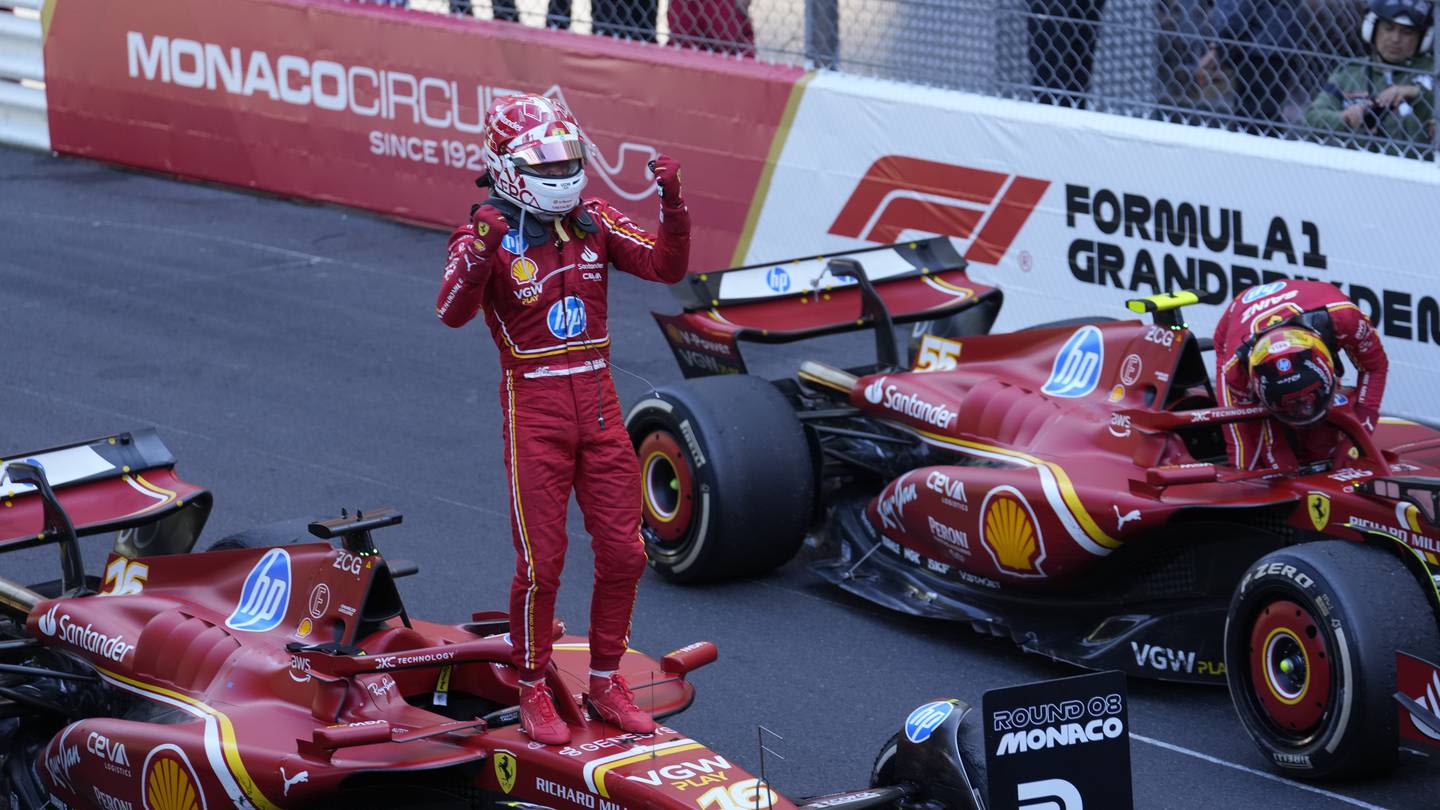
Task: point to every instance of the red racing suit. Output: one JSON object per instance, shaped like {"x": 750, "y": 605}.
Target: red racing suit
{"x": 1321, "y": 308}
{"x": 544, "y": 300}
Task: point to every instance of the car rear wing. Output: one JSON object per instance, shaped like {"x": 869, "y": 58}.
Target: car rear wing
{"x": 113, "y": 483}
{"x": 797, "y": 299}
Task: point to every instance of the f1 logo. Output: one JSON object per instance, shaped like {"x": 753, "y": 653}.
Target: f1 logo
{"x": 902, "y": 193}
{"x": 1048, "y": 794}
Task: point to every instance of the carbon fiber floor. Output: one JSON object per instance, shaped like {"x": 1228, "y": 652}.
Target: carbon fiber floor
{"x": 289, "y": 356}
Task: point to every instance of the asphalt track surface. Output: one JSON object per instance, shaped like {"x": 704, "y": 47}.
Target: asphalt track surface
{"x": 290, "y": 358}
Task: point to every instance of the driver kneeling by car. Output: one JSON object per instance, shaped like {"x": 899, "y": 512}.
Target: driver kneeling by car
{"x": 1278, "y": 345}
{"x": 534, "y": 259}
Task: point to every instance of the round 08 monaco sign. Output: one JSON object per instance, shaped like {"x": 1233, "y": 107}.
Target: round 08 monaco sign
{"x": 1059, "y": 745}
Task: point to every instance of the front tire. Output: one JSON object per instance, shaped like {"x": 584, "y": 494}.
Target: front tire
{"x": 725, "y": 475}
{"x": 1310, "y": 643}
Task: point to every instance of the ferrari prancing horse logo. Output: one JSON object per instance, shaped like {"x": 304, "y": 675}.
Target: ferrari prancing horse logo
{"x": 1317, "y": 505}
{"x": 505, "y": 770}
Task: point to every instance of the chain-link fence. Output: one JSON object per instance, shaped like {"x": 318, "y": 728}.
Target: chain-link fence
{"x": 1332, "y": 71}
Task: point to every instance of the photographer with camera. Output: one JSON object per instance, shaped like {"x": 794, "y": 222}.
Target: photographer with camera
{"x": 1386, "y": 103}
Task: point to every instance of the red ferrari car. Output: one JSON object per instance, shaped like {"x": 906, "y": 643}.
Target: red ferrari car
{"x": 1064, "y": 485}
{"x": 274, "y": 671}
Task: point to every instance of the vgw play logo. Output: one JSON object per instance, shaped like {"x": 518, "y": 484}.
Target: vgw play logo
{"x": 265, "y": 595}
{"x": 1077, "y": 367}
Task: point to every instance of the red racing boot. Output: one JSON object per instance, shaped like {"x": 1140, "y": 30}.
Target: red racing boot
{"x": 612, "y": 699}
{"x": 538, "y": 717}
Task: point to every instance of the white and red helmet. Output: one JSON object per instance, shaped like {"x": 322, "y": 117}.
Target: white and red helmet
{"x": 524, "y": 133}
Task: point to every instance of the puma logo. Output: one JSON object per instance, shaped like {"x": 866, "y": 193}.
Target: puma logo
{"x": 1121, "y": 520}
{"x": 303, "y": 776}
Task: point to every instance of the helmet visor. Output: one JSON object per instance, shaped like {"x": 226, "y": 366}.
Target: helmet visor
{"x": 549, "y": 151}
{"x": 564, "y": 168}
{"x": 1302, "y": 407}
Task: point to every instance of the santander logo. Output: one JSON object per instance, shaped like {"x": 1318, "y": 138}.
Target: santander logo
{"x": 1431, "y": 701}
{"x": 47, "y": 622}
{"x": 892, "y": 398}
{"x": 588, "y": 255}
{"x": 874, "y": 392}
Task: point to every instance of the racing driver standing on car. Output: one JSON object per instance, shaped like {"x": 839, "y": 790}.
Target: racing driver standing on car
{"x": 534, "y": 258}
{"x": 1279, "y": 345}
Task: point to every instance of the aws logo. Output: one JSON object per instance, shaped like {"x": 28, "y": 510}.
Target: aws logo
{"x": 899, "y": 194}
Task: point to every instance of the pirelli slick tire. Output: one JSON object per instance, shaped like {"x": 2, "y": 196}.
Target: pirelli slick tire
{"x": 882, "y": 773}
{"x": 726, "y": 477}
{"x": 1310, "y": 645}
{"x": 283, "y": 533}
{"x": 1085, "y": 320}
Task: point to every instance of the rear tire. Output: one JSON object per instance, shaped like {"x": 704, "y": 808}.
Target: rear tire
{"x": 1086, "y": 320}
{"x": 283, "y": 533}
{"x": 1310, "y": 643}
{"x": 882, "y": 773}
{"x": 726, "y": 478}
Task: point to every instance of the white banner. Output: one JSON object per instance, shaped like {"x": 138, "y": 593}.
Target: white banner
{"x": 1072, "y": 212}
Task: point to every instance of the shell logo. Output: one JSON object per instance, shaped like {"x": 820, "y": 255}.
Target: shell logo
{"x": 169, "y": 781}
{"x": 1010, "y": 534}
{"x": 523, "y": 270}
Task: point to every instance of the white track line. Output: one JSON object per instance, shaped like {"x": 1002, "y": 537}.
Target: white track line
{"x": 1262, "y": 774}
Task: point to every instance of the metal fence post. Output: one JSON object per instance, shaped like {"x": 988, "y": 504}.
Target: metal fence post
{"x": 822, "y": 33}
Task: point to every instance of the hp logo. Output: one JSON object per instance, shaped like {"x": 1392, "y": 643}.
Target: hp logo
{"x": 1077, "y": 366}
{"x": 1256, "y": 293}
{"x": 777, "y": 279}
{"x": 567, "y": 318}
{"x": 265, "y": 596}
{"x": 923, "y": 721}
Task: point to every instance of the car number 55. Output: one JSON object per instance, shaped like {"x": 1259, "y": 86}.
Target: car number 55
{"x": 937, "y": 354}
{"x": 123, "y": 577}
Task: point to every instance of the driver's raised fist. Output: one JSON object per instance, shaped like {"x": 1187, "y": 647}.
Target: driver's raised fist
{"x": 490, "y": 227}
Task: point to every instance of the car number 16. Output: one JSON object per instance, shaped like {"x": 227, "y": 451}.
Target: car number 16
{"x": 746, "y": 794}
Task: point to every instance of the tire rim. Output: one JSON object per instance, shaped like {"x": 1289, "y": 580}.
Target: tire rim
{"x": 668, "y": 486}
{"x": 1290, "y": 668}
